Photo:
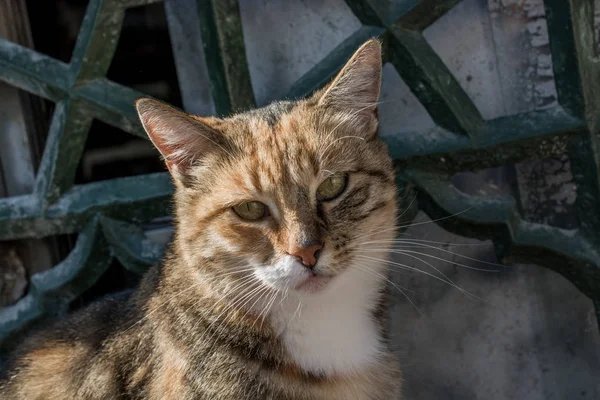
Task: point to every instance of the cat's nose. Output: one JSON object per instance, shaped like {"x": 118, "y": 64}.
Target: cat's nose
{"x": 308, "y": 255}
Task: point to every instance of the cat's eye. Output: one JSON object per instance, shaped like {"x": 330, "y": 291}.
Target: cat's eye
{"x": 251, "y": 210}
{"x": 332, "y": 187}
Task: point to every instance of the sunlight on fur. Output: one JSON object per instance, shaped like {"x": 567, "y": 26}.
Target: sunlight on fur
{"x": 275, "y": 284}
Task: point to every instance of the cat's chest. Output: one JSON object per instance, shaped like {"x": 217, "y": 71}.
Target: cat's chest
{"x": 322, "y": 343}
{"x": 336, "y": 334}
{"x": 381, "y": 380}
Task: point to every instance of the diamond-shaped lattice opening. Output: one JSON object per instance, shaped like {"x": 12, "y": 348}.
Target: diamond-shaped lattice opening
{"x": 20, "y": 259}
{"x": 112, "y": 153}
{"x": 285, "y": 39}
{"x": 143, "y": 59}
{"x": 499, "y": 53}
{"x": 544, "y": 188}
{"x": 548, "y": 191}
{"x": 159, "y": 230}
{"x": 14, "y": 277}
{"x": 115, "y": 279}
{"x": 390, "y": 10}
{"x": 55, "y": 25}
{"x": 399, "y": 109}
{"x": 25, "y": 119}
{"x": 499, "y": 181}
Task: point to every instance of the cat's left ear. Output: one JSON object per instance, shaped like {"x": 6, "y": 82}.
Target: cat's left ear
{"x": 355, "y": 90}
{"x": 182, "y": 139}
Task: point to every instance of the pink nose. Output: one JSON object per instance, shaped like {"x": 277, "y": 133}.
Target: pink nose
{"x": 307, "y": 255}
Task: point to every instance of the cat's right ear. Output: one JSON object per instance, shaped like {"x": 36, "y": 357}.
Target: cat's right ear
{"x": 354, "y": 92}
{"x": 182, "y": 139}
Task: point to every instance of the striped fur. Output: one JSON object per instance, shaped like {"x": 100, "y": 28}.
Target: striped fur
{"x": 223, "y": 317}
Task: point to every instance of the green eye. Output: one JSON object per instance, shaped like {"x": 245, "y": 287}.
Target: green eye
{"x": 251, "y": 210}
{"x": 332, "y": 187}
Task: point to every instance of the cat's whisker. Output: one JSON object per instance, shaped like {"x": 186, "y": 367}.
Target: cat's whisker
{"x": 236, "y": 270}
{"x": 169, "y": 299}
{"x": 407, "y": 207}
{"x": 235, "y": 308}
{"x": 235, "y": 288}
{"x": 291, "y": 319}
{"x": 402, "y": 240}
{"x": 408, "y": 267}
{"x": 463, "y": 256}
{"x": 401, "y": 251}
{"x": 439, "y": 219}
{"x": 258, "y": 295}
{"x": 228, "y": 273}
{"x": 247, "y": 281}
{"x": 366, "y": 235}
{"x": 468, "y": 294}
{"x": 429, "y": 246}
{"x": 401, "y": 289}
{"x": 269, "y": 297}
{"x": 266, "y": 294}
{"x": 285, "y": 293}
{"x": 449, "y": 261}
{"x": 300, "y": 312}
{"x": 424, "y": 246}
{"x": 294, "y": 314}
{"x": 415, "y": 224}
{"x": 268, "y": 309}
{"x": 396, "y": 247}
{"x": 215, "y": 305}
{"x": 395, "y": 220}
{"x": 242, "y": 300}
{"x": 250, "y": 280}
{"x": 271, "y": 303}
{"x": 208, "y": 278}
{"x": 387, "y": 279}
{"x": 238, "y": 298}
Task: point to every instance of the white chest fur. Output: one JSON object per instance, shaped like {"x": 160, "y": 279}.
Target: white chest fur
{"x": 332, "y": 331}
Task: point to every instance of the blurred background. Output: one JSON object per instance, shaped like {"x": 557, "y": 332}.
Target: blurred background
{"x": 493, "y": 332}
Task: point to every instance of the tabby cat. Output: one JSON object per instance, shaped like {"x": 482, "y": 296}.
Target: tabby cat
{"x": 261, "y": 295}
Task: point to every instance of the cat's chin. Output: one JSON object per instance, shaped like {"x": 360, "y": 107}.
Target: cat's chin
{"x": 314, "y": 284}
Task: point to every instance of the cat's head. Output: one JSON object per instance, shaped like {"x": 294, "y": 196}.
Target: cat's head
{"x": 287, "y": 193}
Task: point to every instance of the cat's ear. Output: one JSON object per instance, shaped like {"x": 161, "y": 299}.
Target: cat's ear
{"x": 355, "y": 90}
{"x": 182, "y": 139}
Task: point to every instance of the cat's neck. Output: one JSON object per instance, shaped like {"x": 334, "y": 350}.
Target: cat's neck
{"x": 333, "y": 332}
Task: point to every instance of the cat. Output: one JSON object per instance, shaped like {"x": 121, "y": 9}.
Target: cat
{"x": 261, "y": 295}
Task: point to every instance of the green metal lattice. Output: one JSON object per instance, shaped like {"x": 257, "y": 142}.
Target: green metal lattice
{"x": 107, "y": 214}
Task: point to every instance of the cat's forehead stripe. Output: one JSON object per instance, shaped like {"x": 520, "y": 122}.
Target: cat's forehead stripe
{"x": 271, "y": 114}
{"x": 282, "y": 148}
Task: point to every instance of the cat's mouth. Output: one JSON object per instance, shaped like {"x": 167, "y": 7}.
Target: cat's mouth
{"x": 314, "y": 283}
